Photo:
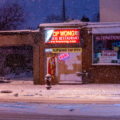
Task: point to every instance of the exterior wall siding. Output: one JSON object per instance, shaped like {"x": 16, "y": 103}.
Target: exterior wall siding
{"x": 109, "y": 10}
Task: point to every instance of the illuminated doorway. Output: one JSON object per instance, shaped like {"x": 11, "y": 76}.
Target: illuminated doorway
{"x": 63, "y": 64}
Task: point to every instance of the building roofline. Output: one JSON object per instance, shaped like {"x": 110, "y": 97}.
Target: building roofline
{"x": 17, "y": 31}
{"x": 74, "y": 23}
{"x": 77, "y": 23}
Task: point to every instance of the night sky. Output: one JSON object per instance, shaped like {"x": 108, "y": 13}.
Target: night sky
{"x": 36, "y": 11}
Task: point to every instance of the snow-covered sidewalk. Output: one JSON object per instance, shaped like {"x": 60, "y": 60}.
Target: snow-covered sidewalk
{"x": 25, "y": 91}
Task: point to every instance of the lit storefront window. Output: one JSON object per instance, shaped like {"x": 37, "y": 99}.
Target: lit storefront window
{"x": 106, "y": 49}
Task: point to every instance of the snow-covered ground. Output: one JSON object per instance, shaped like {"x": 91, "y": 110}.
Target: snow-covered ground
{"x": 87, "y": 93}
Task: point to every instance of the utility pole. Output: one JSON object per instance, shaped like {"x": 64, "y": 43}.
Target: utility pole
{"x": 63, "y": 11}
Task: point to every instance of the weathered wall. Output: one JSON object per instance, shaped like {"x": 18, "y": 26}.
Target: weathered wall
{"x": 98, "y": 73}
{"x": 7, "y": 39}
{"x": 67, "y": 69}
{"x": 20, "y": 38}
{"x": 109, "y": 10}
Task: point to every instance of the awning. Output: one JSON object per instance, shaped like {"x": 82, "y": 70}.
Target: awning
{"x": 106, "y": 30}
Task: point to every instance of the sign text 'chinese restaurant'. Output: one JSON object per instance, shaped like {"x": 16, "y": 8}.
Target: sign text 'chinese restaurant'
{"x": 65, "y": 36}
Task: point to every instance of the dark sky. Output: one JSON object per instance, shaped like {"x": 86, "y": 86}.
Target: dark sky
{"x": 36, "y": 11}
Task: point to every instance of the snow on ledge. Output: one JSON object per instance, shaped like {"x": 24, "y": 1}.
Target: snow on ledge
{"x": 18, "y": 31}
{"x": 108, "y": 30}
{"x": 104, "y": 27}
{"x": 113, "y": 64}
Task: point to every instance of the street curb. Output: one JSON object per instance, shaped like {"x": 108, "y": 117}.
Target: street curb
{"x": 44, "y": 101}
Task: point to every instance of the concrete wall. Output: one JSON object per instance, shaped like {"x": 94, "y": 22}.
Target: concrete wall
{"x": 20, "y": 38}
{"x": 109, "y": 10}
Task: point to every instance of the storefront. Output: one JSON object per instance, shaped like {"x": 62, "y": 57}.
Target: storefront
{"x": 106, "y": 49}
{"x": 72, "y": 52}
{"x": 63, "y": 53}
{"x": 77, "y": 52}
{"x": 102, "y": 51}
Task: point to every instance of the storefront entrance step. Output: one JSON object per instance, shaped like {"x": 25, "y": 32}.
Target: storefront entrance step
{"x": 70, "y": 82}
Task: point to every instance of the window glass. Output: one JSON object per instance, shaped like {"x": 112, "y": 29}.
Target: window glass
{"x": 106, "y": 49}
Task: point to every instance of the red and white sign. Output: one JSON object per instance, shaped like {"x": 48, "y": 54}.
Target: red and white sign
{"x": 109, "y": 53}
{"x": 65, "y": 36}
{"x": 107, "y": 56}
{"x": 63, "y": 56}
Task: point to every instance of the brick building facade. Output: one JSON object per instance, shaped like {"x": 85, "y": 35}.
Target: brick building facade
{"x": 91, "y": 54}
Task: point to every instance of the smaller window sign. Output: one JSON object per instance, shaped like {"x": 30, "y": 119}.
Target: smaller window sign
{"x": 108, "y": 56}
{"x": 109, "y": 53}
{"x": 62, "y": 36}
{"x": 63, "y": 56}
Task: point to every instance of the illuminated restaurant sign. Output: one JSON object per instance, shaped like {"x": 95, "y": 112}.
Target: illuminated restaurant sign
{"x": 62, "y": 36}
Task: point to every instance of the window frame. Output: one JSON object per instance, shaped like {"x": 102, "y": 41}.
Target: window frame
{"x": 101, "y": 64}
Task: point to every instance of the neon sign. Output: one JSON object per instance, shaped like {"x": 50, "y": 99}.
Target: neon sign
{"x": 64, "y": 56}
{"x": 63, "y": 36}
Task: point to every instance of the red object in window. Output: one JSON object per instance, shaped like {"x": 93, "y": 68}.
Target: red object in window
{"x": 52, "y": 67}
